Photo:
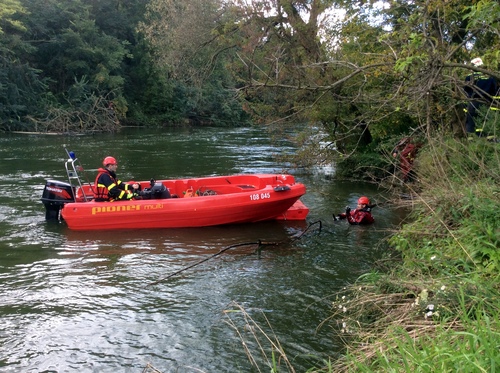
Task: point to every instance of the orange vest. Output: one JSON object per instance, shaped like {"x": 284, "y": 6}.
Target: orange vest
{"x": 101, "y": 189}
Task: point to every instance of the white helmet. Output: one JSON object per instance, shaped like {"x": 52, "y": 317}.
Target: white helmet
{"x": 477, "y": 61}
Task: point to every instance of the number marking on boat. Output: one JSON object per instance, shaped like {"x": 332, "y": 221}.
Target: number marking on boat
{"x": 256, "y": 197}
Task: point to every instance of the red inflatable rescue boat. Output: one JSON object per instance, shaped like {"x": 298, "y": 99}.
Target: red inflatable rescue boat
{"x": 179, "y": 203}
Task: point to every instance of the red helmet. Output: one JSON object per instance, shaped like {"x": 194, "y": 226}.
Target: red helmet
{"x": 109, "y": 160}
{"x": 363, "y": 200}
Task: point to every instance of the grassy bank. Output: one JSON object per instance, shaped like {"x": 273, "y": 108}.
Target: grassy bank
{"x": 434, "y": 306}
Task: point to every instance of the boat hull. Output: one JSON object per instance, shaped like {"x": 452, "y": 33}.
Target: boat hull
{"x": 200, "y": 202}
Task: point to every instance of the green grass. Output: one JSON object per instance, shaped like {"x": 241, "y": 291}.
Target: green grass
{"x": 438, "y": 308}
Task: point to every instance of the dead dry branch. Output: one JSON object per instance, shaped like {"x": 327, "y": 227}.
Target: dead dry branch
{"x": 92, "y": 117}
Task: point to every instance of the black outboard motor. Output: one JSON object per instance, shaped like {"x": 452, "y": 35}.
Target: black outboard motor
{"x": 55, "y": 195}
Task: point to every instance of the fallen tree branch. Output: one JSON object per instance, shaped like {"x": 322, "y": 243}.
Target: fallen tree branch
{"x": 259, "y": 244}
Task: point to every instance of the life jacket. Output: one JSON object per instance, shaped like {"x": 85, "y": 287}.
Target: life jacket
{"x": 101, "y": 189}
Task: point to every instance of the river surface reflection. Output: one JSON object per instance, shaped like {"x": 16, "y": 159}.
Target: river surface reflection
{"x": 87, "y": 302}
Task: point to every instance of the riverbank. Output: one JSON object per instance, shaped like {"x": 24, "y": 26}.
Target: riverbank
{"x": 432, "y": 304}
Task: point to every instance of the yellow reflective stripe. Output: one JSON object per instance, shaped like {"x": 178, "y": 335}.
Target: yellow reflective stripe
{"x": 111, "y": 186}
{"x": 495, "y": 108}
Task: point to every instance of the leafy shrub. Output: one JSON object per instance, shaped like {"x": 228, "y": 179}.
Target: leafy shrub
{"x": 370, "y": 166}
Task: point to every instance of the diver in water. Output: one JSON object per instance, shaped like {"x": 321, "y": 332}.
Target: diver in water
{"x": 360, "y": 215}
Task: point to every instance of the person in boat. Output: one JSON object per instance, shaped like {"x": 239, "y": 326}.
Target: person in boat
{"x": 109, "y": 188}
{"x": 360, "y": 215}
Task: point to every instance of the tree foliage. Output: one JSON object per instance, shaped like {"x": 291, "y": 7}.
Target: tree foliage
{"x": 8, "y": 8}
{"x": 60, "y": 58}
{"x": 20, "y": 83}
{"x": 71, "y": 49}
{"x": 186, "y": 50}
{"x": 383, "y": 69}
{"x": 362, "y": 72}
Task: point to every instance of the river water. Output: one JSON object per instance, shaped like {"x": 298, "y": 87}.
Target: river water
{"x": 85, "y": 302}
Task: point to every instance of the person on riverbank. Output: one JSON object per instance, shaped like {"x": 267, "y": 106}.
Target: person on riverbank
{"x": 407, "y": 150}
{"x": 109, "y": 188}
{"x": 361, "y": 215}
{"x": 480, "y": 89}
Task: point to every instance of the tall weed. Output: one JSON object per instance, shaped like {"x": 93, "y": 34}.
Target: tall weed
{"x": 458, "y": 207}
{"x": 436, "y": 310}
